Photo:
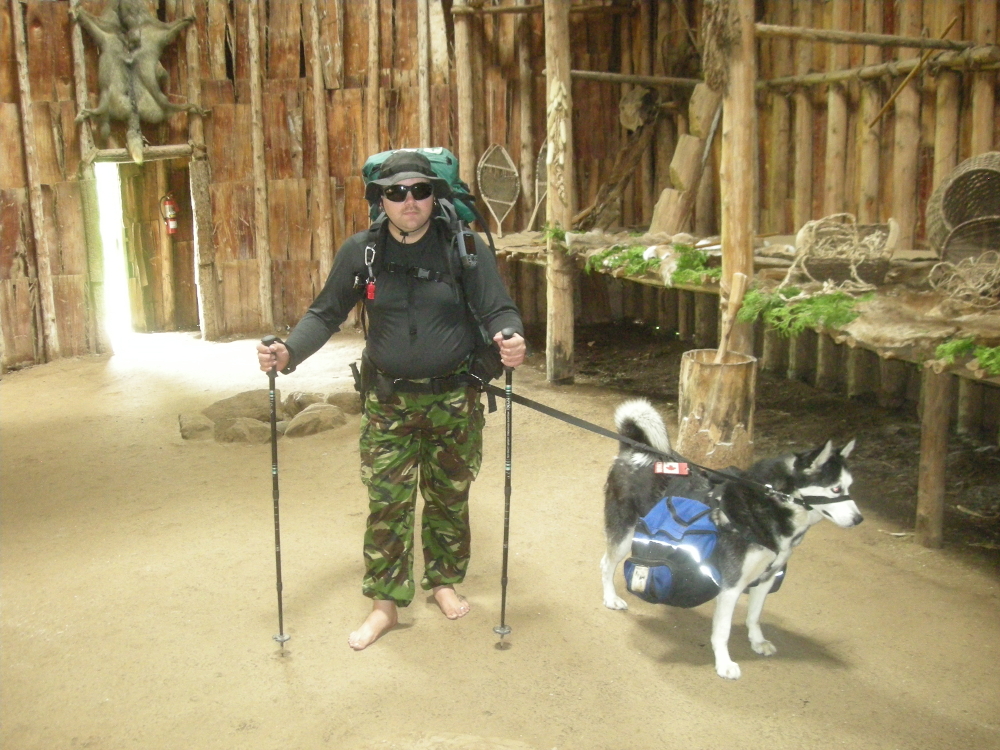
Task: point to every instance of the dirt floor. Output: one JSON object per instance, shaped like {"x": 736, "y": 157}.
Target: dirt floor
{"x": 137, "y": 581}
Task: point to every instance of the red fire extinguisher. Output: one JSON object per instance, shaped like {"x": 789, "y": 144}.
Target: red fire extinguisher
{"x": 168, "y": 210}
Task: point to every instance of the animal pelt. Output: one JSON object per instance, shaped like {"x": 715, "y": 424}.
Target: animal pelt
{"x": 131, "y": 78}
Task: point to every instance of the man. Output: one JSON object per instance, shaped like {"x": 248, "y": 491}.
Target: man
{"x": 422, "y": 421}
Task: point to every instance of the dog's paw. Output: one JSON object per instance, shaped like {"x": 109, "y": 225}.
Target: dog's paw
{"x": 729, "y": 670}
{"x": 764, "y": 648}
{"x": 615, "y": 603}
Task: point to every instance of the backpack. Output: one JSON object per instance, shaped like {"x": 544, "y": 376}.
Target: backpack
{"x": 457, "y": 212}
{"x": 671, "y": 554}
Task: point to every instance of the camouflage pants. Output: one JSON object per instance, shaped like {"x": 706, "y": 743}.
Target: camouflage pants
{"x": 426, "y": 440}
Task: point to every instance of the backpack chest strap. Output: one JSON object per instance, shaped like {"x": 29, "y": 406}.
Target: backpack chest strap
{"x": 424, "y": 274}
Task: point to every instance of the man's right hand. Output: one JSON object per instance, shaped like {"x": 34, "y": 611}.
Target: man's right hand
{"x": 275, "y": 355}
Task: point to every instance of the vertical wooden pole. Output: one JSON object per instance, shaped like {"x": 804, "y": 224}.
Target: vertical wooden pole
{"x": 869, "y": 172}
{"x": 261, "y": 225}
{"x": 949, "y": 84}
{"x": 970, "y": 407}
{"x": 802, "y": 356}
{"x": 373, "y": 88}
{"x": 706, "y": 309}
{"x": 779, "y": 153}
{"x": 526, "y": 98}
{"x": 96, "y": 320}
{"x": 645, "y": 66}
{"x": 560, "y": 202}
{"x": 50, "y": 332}
{"x": 893, "y": 375}
{"x": 835, "y": 169}
{"x": 423, "y": 71}
{"x": 775, "y": 354}
{"x": 201, "y": 204}
{"x": 984, "y": 27}
{"x": 802, "y": 209}
{"x": 322, "y": 213}
{"x": 463, "y": 86}
{"x": 861, "y": 371}
{"x": 738, "y": 169}
{"x": 906, "y": 141}
{"x": 828, "y": 356}
{"x": 165, "y": 244}
{"x": 936, "y": 407}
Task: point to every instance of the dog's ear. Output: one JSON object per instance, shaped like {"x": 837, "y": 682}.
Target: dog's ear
{"x": 815, "y": 459}
{"x": 846, "y": 450}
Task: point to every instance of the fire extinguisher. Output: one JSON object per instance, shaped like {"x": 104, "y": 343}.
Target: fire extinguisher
{"x": 168, "y": 210}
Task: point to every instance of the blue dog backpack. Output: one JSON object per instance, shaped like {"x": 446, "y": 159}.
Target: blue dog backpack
{"x": 671, "y": 560}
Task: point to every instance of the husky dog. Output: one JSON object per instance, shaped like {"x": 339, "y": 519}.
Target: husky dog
{"x": 757, "y": 529}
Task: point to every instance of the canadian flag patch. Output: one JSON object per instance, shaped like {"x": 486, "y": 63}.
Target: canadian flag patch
{"x": 670, "y": 467}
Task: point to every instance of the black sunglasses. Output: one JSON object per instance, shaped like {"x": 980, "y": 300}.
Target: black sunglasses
{"x": 397, "y": 193}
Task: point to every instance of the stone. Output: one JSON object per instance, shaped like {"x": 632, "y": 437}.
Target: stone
{"x": 249, "y": 404}
{"x": 297, "y": 401}
{"x": 195, "y": 426}
{"x": 347, "y": 401}
{"x": 242, "y": 430}
{"x": 314, "y": 419}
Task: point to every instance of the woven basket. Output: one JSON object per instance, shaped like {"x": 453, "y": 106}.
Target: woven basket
{"x": 972, "y": 238}
{"x": 971, "y": 192}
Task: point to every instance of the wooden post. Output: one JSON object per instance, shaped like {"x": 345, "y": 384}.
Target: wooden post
{"x": 861, "y": 371}
{"x": 828, "y": 356}
{"x": 165, "y": 243}
{"x": 667, "y": 316}
{"x": 802, "y": 356}
{"x": 685, "y": 315}
{"x": 835, "y": 170}
{"x": 802, "y": 208}
{"x": 780, "y": 126}
{"x": 50, "y": 332}
{"x": 936, "y": 408}
{"x": 737, "y": 173}
{"x": 970, "y": 407}
{"x": 906, "y": 140}
{"x": 869, "y": 172}
{"x": 261, "y": 237}
{"x": 96, "y": 321}
{"x": 373, "y": 88}
{"x": 984, "y": 27}
{"x": 526, "y": 99}
{"x": 560, "y": 201}
{"x": 322, "y": 213}
{"x": 775, "y": 355}
{"x": 423, "y": 71}
{"x": 463, "y": 87}
{"x": 706, "y": 309}
{"x": 201, "y": 202}
{"x": 949, "y": 86}
{"x": 645, "y": 66}
{"x": 893, "y": 376}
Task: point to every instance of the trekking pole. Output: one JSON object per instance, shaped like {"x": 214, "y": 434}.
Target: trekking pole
{"x": 503, "y": 629}
{"x": 271, "y": 375}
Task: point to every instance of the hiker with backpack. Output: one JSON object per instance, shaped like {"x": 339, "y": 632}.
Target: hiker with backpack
{"x": 440, "y": 323}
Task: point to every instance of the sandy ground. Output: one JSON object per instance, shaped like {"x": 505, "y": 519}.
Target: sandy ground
{"x": 138, "y": 594}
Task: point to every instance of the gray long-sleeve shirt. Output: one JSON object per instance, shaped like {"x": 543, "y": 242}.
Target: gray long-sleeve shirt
{"x": 417, "y": 328}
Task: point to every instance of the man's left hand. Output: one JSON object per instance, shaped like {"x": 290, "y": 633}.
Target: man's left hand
{"x": 512, "y": 350}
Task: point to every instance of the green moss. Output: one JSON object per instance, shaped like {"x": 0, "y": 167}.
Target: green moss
{"x": 692, "y": 267}
{"x": 989, "y": 358}
{"x": 554, "y": 232}
{"x": 791, "y": 317}
{"x": 620, "y": 256}
{"x": 949, "y": 351}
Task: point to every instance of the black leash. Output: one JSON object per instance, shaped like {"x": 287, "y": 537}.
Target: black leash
{"x": 669, "y": 456}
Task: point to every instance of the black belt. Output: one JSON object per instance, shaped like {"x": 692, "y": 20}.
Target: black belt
{"x": 436, "y": 386}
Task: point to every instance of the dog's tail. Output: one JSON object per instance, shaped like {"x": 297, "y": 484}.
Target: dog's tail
{"x": 638, "y": 420}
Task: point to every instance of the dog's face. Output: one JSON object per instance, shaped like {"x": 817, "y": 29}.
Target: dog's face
{"x": 823, "y": 480}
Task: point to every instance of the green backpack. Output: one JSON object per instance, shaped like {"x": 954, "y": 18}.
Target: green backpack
{"x": 445, "y": 165}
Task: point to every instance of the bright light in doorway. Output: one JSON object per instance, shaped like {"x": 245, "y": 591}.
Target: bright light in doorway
{"x": 118, "y": 313}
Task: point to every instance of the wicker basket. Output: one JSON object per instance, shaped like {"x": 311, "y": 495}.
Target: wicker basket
{"x": 963, "y": 211}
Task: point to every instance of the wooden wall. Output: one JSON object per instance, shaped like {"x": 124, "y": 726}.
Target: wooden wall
{"x": 364, "y": 60}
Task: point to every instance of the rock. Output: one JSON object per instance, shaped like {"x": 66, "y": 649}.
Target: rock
{"x": 315, "y": 418}
{"x": 249, "y": 404}
{"x": 242, "y": 430}
{"x": 195, "y": 426}
{"x": 348, "y": 401}
{"x": 297, "y": 401}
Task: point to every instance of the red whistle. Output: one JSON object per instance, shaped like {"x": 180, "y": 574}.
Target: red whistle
{"x": 370, "y": 290}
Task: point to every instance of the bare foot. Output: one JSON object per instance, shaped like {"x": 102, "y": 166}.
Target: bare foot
{"x": 453, "y": 605}
{"x": 381, "y": 619}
